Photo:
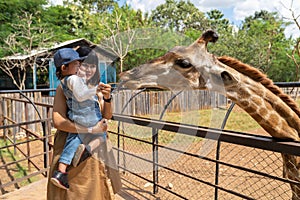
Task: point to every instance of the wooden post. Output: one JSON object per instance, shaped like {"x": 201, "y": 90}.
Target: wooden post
{"x": 1, "y": 111}
{"x": 4, "y": 114}
{"x": 27, "y": 136}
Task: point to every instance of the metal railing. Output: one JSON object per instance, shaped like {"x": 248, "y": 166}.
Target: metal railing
{"x": 242, "y": 165}
{"x": 33, "y": 147}
{"x": 243, "y": 140}
{"x": 248, "y": 141}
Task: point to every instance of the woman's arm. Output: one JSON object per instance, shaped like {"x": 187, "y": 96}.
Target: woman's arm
{"x": 60, "y": 120}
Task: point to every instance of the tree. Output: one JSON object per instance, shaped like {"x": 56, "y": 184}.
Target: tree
{"x": 82, "y": 13}
{"x": 117, "y": 30}
{"x": 96, "y": 5}
{"x": 26, "y": 37}
{"x": 259, "y": 42}
{"x": 267, "y": 39}
{"x": 57, "y": 19}
{"x": 295, "y": 54}
{"x": 216, "y": 20}
{"x": 78, "y": 20}
{"x": 179, "y": 16}
{"x": 9, "y": 14}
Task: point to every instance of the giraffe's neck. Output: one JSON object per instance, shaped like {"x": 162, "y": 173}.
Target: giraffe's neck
{"x": 278, "y": 119}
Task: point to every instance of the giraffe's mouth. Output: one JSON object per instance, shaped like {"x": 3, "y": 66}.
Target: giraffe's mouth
{"x": 151, "y": 87}
{"x": 136, "y": 85}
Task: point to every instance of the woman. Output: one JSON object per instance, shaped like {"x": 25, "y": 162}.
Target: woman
{"x": 89, "y": 179}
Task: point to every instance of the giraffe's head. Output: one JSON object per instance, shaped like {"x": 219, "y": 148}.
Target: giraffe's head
{"x": 182, "y": 68}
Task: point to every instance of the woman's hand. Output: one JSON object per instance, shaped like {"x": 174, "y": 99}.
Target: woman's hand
{"x": 105, "y": 89}
{"x": 103, "y": 93}
{"x": 100, "y": 127}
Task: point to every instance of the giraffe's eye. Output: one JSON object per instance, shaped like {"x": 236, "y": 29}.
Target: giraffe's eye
{"x": 183, "y": 63}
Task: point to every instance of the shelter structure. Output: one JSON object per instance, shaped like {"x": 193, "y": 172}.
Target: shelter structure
{"x": 40, "y": 69}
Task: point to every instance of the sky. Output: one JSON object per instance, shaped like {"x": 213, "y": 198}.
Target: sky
{"x": 234, "y": 10}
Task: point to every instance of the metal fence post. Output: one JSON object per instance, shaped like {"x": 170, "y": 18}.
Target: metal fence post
{"x": 155, "y": 144}
{"x": 50, "y": 154}
{"x": 119, "y": 138}
{"x": 219, "y": 148}
{"x": 45, "y": 146}
{"x": 155, "y": 159}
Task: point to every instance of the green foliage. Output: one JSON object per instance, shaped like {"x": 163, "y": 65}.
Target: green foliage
{"x": 216, "y": 20}
{"x": 96, "y": 5}
{"x": 179, "y": 16}
{"x": 266, "y": 36}
{"x": 11, "y": 12}
{"x": 140, "y": 56}
{"x": 117, "y": 31}
{"x": 259, "y": 41}
{"x": 121, "y": 19}
{"x": 153, "y": 43}
{"x": 57, "y": 19}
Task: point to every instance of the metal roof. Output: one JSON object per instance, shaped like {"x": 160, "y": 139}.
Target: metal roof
{"x": 23, "y": 57}
{"x": 42, "y": 51}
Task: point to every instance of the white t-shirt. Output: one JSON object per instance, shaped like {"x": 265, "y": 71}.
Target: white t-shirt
{"x": 80, "y": 89}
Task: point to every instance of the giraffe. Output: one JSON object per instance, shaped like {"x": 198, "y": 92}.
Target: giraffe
{"x": 195, "y": 67}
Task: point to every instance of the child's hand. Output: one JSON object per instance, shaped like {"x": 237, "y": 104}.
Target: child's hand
{"x": 105, "y": 89}
{"x": 100, "y": 127}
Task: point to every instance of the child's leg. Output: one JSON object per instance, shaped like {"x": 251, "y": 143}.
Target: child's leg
{"x": 62, "y": 167}
{"x": 71, "y": 145}
{"x": 60, "y": 176}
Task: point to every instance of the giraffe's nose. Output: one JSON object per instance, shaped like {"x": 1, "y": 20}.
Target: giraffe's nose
{"x": 124, "y": 76}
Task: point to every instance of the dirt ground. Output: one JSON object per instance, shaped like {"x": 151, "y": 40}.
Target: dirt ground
{"x": 137, "y": 188}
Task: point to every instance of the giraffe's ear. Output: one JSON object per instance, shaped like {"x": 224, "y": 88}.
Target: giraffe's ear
{"x": 228, "y": 79}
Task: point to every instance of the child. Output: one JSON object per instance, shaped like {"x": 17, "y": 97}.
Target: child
{"x": 83, "y": 107}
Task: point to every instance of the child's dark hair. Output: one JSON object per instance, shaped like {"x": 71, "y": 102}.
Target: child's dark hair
{"x": 92, "y": 58}
{"x": 58, "y": 72}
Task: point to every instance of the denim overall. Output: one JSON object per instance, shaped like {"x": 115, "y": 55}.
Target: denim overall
{"x": 86, "y": 113}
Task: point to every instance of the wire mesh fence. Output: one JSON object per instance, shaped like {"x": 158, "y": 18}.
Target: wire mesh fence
{"x": 241, "y": 172}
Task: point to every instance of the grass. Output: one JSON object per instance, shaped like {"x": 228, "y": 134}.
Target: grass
{"x": 17, "y": 170}
{"x": 238, "y": 120}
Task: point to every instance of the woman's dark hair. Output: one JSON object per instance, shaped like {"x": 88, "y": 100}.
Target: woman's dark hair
{"x": 92, "y": 58}
{"x": 84, "y": 51}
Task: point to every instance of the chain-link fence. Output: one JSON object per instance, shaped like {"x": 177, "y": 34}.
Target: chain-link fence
{"x": 246, "y": 168}
{"x": 184, "y": 161}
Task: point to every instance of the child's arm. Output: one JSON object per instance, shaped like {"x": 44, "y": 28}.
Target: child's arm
{"x": 80, "y": 90}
